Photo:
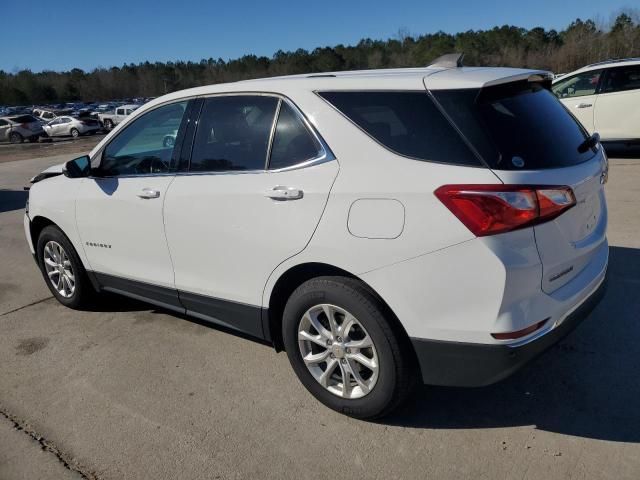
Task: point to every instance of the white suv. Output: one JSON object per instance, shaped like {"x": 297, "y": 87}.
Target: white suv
{"x": 605, "y": 97}
{"x": 383, "y": 227}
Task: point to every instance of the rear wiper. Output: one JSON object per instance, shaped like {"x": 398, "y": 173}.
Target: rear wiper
{"x": 590, "y": 142}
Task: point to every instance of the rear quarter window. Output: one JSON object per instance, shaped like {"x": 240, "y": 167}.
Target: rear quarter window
{"x": 407, "y": 123}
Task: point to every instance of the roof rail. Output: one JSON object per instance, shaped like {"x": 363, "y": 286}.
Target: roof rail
{"x": 614, "y": 60}
{"x": 450, "y": 60}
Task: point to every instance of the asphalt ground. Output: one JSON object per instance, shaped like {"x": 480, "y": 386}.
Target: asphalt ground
{"x": 129, "y": 391}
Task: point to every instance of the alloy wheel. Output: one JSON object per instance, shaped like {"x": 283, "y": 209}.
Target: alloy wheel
{"x": 59, "y": 270}
{"x": 338, "y": 351}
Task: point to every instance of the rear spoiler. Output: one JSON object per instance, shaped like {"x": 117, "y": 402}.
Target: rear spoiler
{"x": 482, "y": 77}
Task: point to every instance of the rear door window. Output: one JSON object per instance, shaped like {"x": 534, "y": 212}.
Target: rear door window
{"x": 621, "y": 79}
{"x": 407, "y": 123}
{"x": 517, "y": 126}
{"x": 233, "y": 133}
{"x": 292, "y": 142}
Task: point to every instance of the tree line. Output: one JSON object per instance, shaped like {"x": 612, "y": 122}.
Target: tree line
{"x": 581, "y": 43}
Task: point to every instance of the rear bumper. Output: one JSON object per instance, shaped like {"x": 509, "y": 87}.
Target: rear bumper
{"x": 475, "y": 365}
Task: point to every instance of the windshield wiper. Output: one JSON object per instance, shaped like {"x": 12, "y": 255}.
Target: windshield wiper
{"x": 590, "y": 142}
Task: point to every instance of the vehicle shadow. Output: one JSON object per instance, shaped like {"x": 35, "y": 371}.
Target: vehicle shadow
{"x": 12, "y": 200}
{"x": 588, "y": 385}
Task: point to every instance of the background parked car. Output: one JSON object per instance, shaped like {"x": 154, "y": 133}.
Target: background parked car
{"x": 69, "y": 126}
{"x": 45, "y": 115}
{"x": 17, "y": 129}
{"x": 605, "y": 97}
{"x": 110, "y": 120}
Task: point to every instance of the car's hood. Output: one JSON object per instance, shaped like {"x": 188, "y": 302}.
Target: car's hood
{"x": 52, "y": 171}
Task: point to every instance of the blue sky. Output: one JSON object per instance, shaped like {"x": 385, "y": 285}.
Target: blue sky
{"x": 37, "y": 34}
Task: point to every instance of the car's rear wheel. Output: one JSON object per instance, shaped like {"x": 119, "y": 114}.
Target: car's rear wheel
{"x": 75, "y": 133}
{"x": 15, "y": 137}
{"x": 33, "y": 139}
{"x": 62, "y": 269}
{"x": 344, "y": 350}
{"x": 108, "y": 124}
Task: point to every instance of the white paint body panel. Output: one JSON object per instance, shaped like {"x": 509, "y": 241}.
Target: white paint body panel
{"x": 109, "y": 212}
{"x": 55, "y": 199}
{"x": 226, "y": 235}
{"x": 570, "y": 242}
{"x": 617, "y": 115}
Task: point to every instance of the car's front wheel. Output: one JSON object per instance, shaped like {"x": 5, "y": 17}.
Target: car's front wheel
{"x": 15, "y": 137}
{"x": 344, "y": 350}
{"x": 62, "y": 269}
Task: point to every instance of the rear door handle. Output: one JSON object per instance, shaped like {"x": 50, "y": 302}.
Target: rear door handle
{"x": 285, "y": 193}
{"x": 584, "y": 105}
{"x": 149, "y": 193}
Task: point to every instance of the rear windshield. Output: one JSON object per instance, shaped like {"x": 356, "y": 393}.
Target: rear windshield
{"x": 24, "y": 119}
{"x": 408, "y": 123}
{"x": 519, "y": 126}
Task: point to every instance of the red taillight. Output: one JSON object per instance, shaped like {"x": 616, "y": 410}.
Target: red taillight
{"x": 491, "y": 209}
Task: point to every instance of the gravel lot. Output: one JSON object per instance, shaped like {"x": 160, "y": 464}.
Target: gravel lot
{"x": 132, "y": 392}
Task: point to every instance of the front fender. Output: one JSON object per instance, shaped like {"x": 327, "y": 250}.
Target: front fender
{"x": 54, "y": 199}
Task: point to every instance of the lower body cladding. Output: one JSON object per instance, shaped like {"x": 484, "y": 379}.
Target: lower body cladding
{"x": 247, "y": 319}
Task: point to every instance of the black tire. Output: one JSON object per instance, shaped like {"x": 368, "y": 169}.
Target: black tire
{"x": 15, "y": 137}
{"x": 84, "y": 294}
{"x": 33, "y": 139}
{"x": 108, "y": 124}
{"x": 397, "y": 371}
{"x": 74, "y": 133}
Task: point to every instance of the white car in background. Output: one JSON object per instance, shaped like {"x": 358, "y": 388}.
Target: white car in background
{"x": 605, "y": 97}
{"x": 442, "y": 224}
{"x": 66, "y": 126}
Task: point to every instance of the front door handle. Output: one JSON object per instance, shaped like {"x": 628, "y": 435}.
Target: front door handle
{"x": 285, "y": 193}
{"x": 584, "y": 105}
{"x": 149, "y": 193}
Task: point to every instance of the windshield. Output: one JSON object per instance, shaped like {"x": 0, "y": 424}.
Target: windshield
{"x": 517, "y": 126}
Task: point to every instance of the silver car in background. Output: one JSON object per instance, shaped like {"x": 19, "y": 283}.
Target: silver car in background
{"x": 66, "y": 126}
{"x": 17, "y": 129}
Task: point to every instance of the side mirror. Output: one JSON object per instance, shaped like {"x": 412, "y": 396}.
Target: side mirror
{"x": 78, "y": 167}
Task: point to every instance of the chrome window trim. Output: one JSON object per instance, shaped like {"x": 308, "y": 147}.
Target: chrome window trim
{"x": 326, "y": 155}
